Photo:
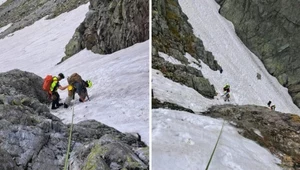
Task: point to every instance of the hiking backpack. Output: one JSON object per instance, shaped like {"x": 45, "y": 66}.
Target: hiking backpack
{"x": 74, "y": 78}
{"x": 47, "y": 83}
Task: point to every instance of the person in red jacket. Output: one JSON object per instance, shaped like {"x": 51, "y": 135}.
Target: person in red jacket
{"x": 53, "y": 89}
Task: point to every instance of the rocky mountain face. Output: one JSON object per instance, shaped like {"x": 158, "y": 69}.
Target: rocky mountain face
{"x": 173, "y": 35}
{"x": 271, "y": 30}
{"x": 111, "y": 25}
{"x": 279, "y": 132}
{"x": 34, "y": 139}
{"x": 23, "y": 13}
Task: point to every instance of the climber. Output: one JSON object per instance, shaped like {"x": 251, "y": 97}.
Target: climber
{"x": 273, "y": 107}
{"x": 226, "y": 90}
{"x": 53, "y": 90}
{"x": 227, "y": 97}
{"x": 77, "y": 85}
{"x": 269, "y": 104}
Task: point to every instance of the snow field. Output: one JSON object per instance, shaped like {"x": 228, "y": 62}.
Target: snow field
{"x": 119, "y": 96}
{"x": 183, "y": 140}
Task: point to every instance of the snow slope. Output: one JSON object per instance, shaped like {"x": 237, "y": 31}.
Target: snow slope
{"x": 2, "y": 2}
{"x": 182, "y": 140}
{"x": 239, "y": 64}
{"x": 119, "y": 96}
{"x": 185, "y": 141}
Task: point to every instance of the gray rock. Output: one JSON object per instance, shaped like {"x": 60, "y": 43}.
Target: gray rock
{"x": 173, "y": 35}
{"x": 74, "y": 45}
{"x": 158, "y": 104}
{"x": 113, "y": 155}
{"x": 108, "y": 138}
{"x": 185, "y": 75}
{"x": 7, "y": 162}
{"x": 16, "y": 82}
{"x": 143, "y": 154}
{"x": 110, "y": 26}
{"x": 283, "y": 79}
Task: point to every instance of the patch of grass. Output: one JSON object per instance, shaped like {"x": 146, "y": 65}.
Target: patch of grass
{"x": 175, "y": 32}
{"x": 295, "y": 118}
{"x": 189, "y": 47}
{"x": 172, "y": 15}
{"x": 172, "y": 2}
{"x": 95, "y": 153}
{"x": 132, "y": 164}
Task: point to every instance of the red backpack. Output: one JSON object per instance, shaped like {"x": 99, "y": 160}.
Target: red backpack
{"x": 47, "y": 83}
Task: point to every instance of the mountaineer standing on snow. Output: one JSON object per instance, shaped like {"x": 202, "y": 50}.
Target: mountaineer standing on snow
{"x": 269, "y": 104}
{"x": 226, "y": 90}
{"x": 51, "y": 84}
{"x": 53, "y": 88}
{"x": 77, "y": 85}
{"x": 272, "y": 107}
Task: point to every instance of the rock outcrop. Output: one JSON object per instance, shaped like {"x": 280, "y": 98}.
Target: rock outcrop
{"x": 110, "y": 26}
{"x": 34, "y": 139}
{"x": 19, "y": 83}
{"x": 276, "y": 131}
{"x": 184, "y": 74}
{"x": 271, "y": 30}
{"x": 173, "y": 35}
{"x": 167, "y": 105}
{"x": 23, "y": 13}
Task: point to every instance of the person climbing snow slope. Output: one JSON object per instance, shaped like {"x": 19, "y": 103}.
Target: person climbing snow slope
{"x": 77, "y": 85}
{"x": 226, "y": 94}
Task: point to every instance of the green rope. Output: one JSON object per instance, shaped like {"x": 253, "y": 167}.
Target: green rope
{"x": 211, "y": 156}
{"x": 69, "y": 143}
